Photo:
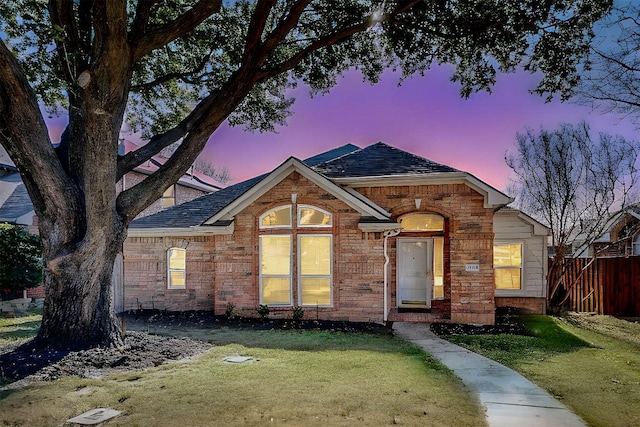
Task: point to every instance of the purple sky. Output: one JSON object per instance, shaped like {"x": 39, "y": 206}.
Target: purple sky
{"x": 425, "y": 116}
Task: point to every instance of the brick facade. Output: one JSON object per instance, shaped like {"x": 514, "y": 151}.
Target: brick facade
{"x": 224, "y": 269}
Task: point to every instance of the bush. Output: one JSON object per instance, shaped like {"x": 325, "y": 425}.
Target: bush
{"x": 298, "y": 313}
{"x": 263, "y": 311}
{"x": 231, "y": 312}
{"x": 21, "y": 255}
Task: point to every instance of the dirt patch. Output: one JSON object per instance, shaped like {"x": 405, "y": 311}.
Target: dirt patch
{"x": 505, "y": 324}
{"x": 141, "y": 350}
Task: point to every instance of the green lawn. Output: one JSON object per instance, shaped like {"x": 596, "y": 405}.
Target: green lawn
{"x": 13, "y": 330}
{"x": 296, "y": 378}
{"x": 594, "y": 368}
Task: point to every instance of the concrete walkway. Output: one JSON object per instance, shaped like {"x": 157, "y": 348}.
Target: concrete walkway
{"x": 509, "y": 399}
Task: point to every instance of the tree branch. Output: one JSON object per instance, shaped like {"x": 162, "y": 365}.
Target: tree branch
{"x": 148, "y": 41}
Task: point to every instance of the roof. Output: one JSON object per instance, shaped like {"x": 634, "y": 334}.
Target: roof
{"x": 379, "y": 160}
{"x": 17, "y": 204}
{"x": 192, "y": 178}
{"x": 331, "y": 170}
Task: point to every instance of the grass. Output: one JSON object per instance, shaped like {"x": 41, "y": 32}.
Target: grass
{"x": 593, "y": 369}
{"x": 19, "y": 328}
{"x": 296, "y": 378}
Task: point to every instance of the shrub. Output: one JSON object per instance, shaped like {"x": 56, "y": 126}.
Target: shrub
{"x": 231, "y": 312}
{"x": 21, "y": 255}
{"x": 298, "y": 313}
{"x": 263, "y": 311}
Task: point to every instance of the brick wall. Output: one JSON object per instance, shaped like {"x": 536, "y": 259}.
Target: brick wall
{"x": 468, "y": 240}
{"x": 225, "y": 269}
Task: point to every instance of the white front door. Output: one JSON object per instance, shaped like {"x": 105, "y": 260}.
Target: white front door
{"x": 415, "y": 271}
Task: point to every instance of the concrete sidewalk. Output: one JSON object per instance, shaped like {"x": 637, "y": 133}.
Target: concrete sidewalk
{"x": 509, "y": 399}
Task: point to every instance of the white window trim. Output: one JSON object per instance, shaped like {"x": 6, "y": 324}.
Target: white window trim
{"x": 169, "y": 269}
{"x": 300, "y": 225}
{"x": 260, "y": 276}
{"x": 299, "y": 262}
{"x": 522, "y": 262}
{"x": 277, "y": 208}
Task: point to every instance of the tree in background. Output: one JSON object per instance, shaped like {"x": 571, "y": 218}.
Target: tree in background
{"x": 573, "y": 183}
{"x": 611, "y": 78}
{"x": 176, "y": 70}
{"x": 21, "y": 259}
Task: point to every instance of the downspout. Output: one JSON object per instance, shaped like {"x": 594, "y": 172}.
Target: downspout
{"x": 387, "y": 234}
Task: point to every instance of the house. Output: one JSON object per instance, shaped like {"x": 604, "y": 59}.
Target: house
{"x": 622, "y": 238}
{"x": 360, "y": 234}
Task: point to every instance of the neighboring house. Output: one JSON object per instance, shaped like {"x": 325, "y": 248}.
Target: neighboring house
{"x": 622, "y": 238}
{"x": 16, "y": 207}
{"x": 373, "y": 234}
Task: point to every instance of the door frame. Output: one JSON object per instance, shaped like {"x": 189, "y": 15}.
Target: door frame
{"x": 399, "y": 261}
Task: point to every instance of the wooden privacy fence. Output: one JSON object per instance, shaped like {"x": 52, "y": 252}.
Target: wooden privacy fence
{"x": 606, "y": 286}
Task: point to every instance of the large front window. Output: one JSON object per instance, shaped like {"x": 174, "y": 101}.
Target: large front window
{"x": 311, "y": 251}
{"x": 507, "y": 264}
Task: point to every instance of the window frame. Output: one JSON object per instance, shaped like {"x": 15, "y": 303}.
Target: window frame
{"x": 316, "y": 208}
{"x": 277, "y": 208}
{"x": 261, "y": 275}
{"x": 170, "y": 270}
{"x": 300, "y": 275}
{"x": 520, "y": 267}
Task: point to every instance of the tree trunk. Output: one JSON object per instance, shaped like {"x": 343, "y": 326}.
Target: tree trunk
{"x": 78, "y": 309}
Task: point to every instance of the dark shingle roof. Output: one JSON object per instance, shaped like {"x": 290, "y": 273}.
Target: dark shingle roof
{"x": 330, "y": 155}
{"x": 345, "y": 161}
{"x": 379, "y": 160}
{"x": 197, "y": 210}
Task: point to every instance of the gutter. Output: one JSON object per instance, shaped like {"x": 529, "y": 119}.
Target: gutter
{"x": 387, "y": 234}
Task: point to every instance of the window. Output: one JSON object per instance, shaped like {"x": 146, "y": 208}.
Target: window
{"x": 507, "y": 264}
{"x": 309, "y": 216}
{"x": 312, "y": 253}
{"x": 315, "y": 269}
{"x": 176, "y": 272}
{"x": 635, "y": 249}
{"x": 438, "y": 267}
{"x": 277, "y": 217}
{"x": 169, "y": 197}
{"x": 422, "y": 222}
{"x": 275, "y": 269}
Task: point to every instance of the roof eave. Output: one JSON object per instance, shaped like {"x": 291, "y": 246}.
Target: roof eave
{"x": 198, "y": 230}
{"x": 493, "y": 198}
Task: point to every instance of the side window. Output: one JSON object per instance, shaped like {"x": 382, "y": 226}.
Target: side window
{"x": 176, "y": 268}
{"x": 507, "y": 264}
{"x": 169, "y": 197}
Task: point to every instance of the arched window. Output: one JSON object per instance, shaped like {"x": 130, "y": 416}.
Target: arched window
{"x": 306, "y": 247}
{"x": 176, "y": 268}
{"x": 422, "y": 222}
{"x": 276, "y": 217}
{"x": 311, "y": 216}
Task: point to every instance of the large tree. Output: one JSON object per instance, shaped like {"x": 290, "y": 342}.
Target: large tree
{"x": 177, "y": 69}
{"x": 573, "y": 182}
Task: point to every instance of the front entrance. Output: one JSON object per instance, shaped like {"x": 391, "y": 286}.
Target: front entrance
{"x": 415, "y": 272}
